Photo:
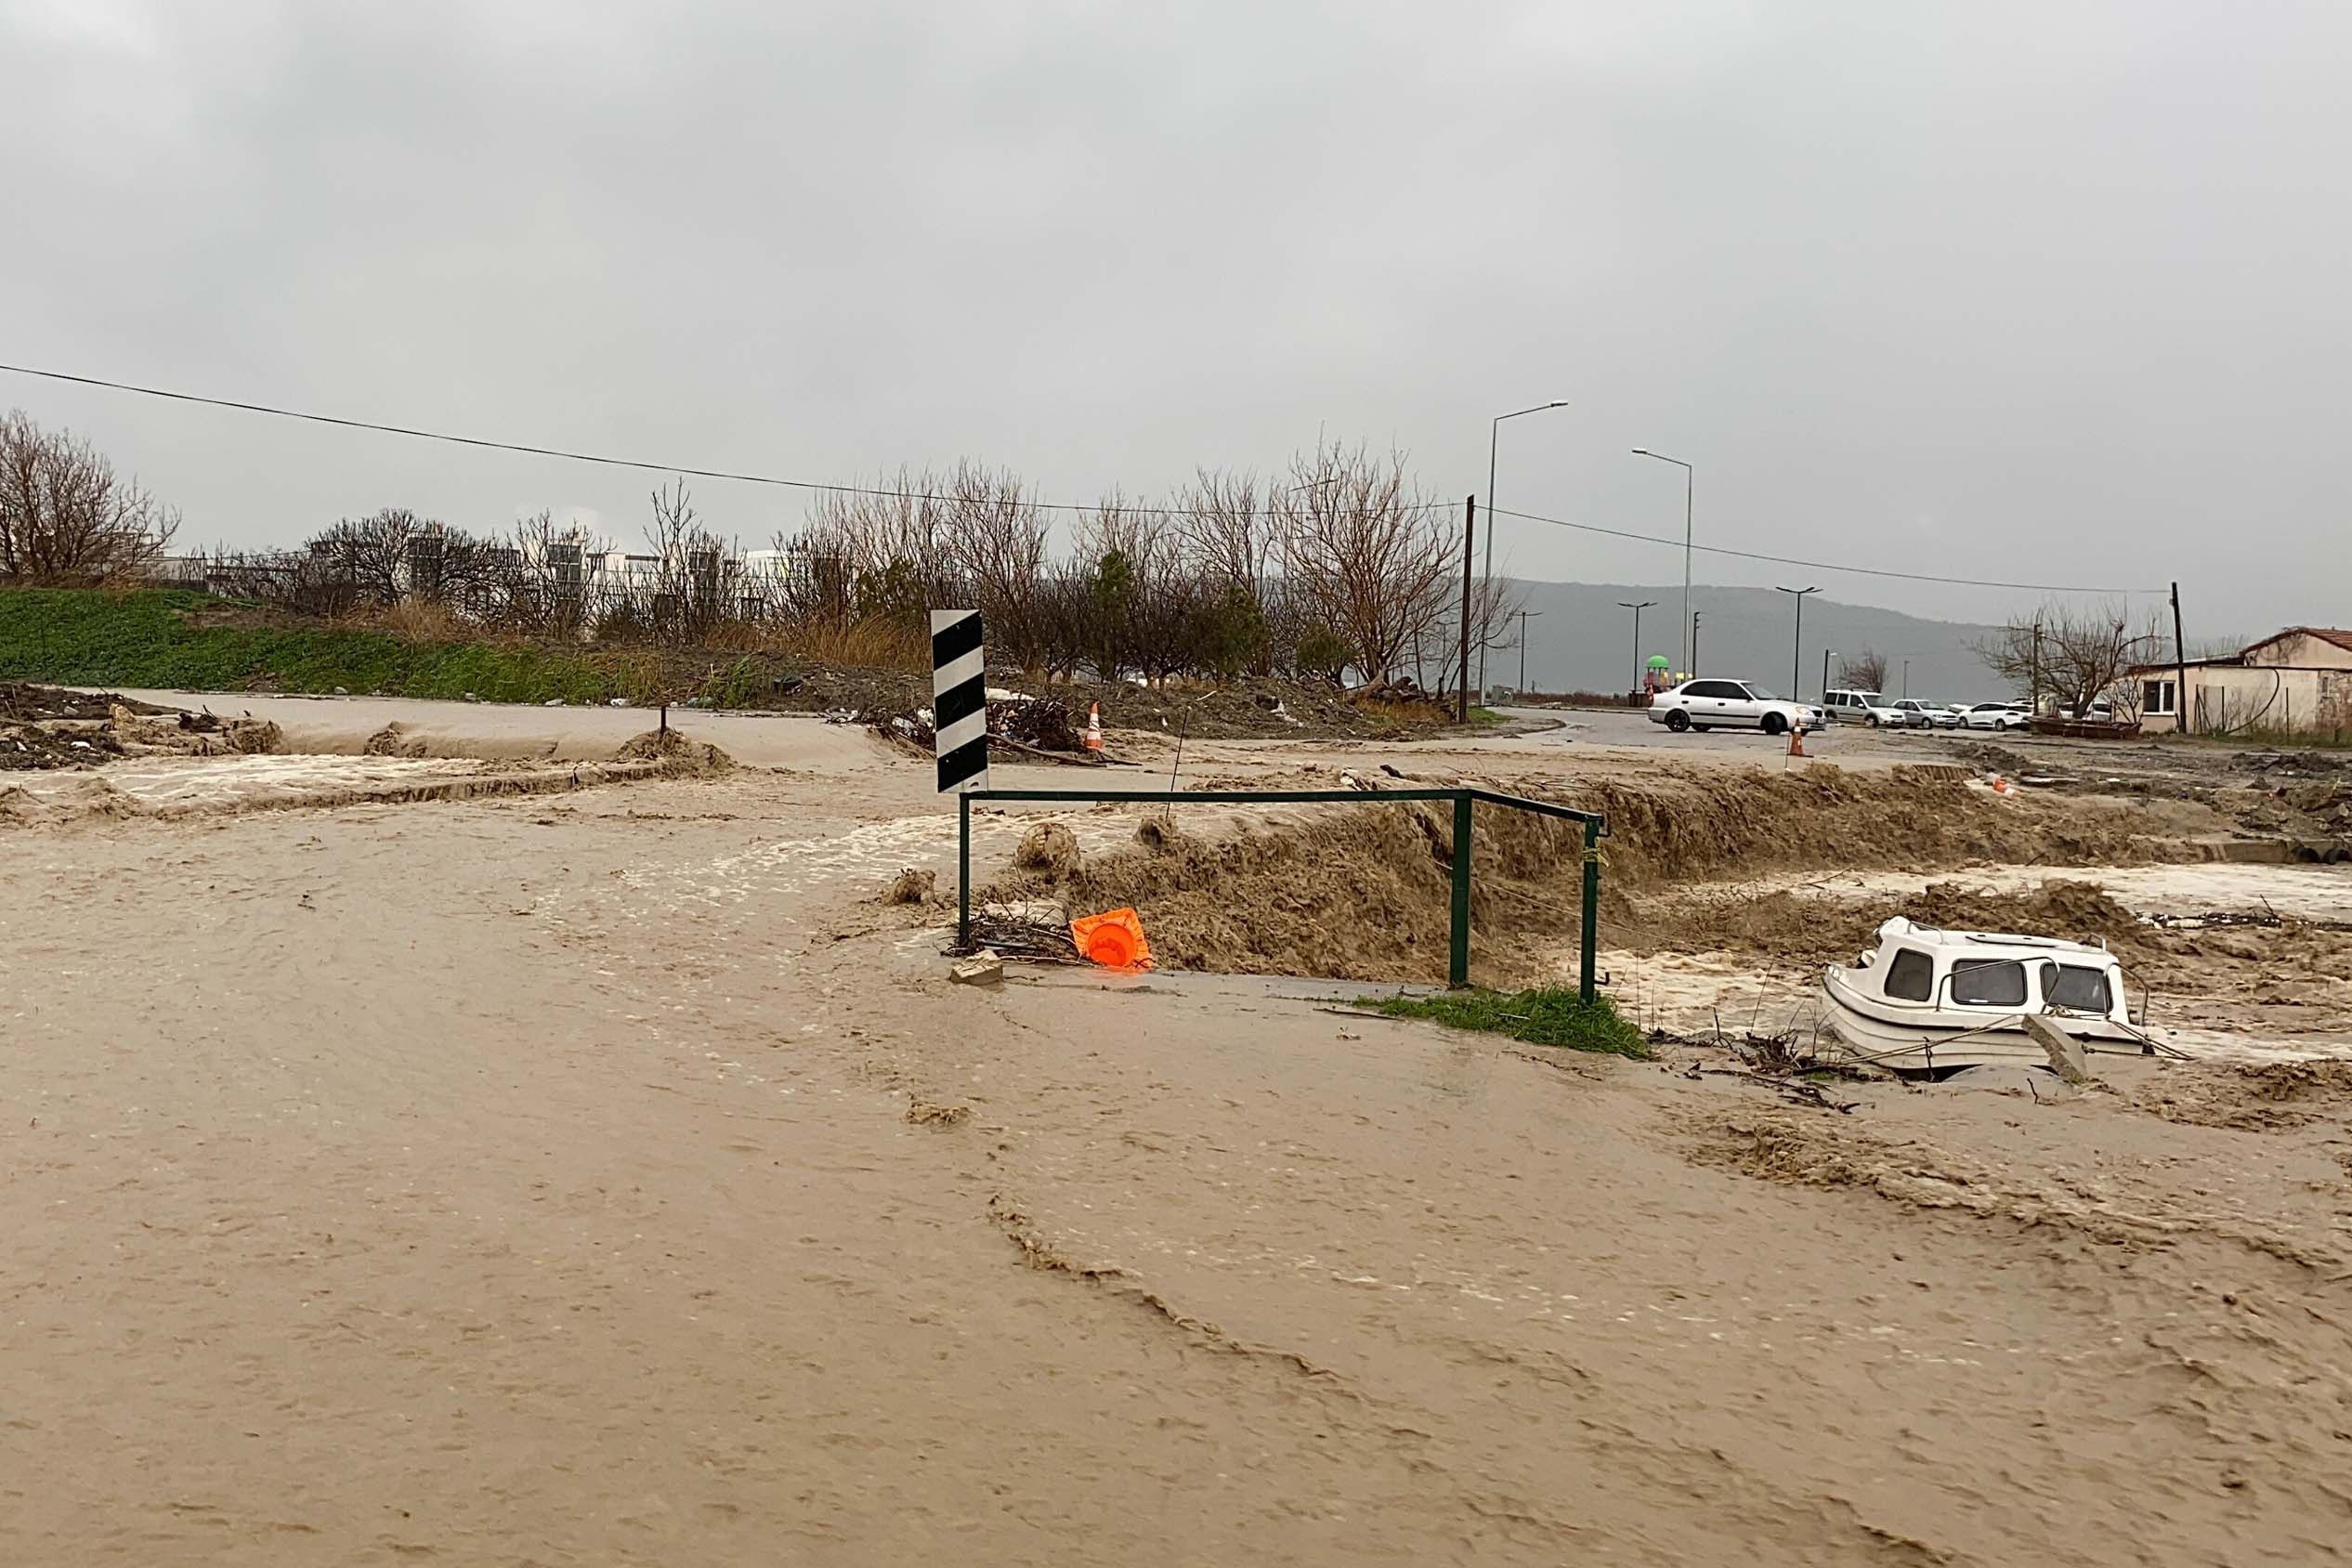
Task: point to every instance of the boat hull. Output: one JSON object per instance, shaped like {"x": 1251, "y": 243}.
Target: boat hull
{"x": 1933, "y": 1039}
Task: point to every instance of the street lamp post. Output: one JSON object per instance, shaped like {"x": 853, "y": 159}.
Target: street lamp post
{"x": 1688, "y": 660}
{"x": 1828, "y": 654}
{"x": 1486, "y": 573}
{"x": 1798, "y": 647}
{"x": 1906, "y": 677}
{"x": 1646, "y": 604}
{"x": 1524, "y": 616}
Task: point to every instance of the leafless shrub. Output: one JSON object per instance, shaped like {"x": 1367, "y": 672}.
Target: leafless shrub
{"x": 2075, "y": 654}
{"x": 67, "y": 519}
{"x": 1865, "y": 671}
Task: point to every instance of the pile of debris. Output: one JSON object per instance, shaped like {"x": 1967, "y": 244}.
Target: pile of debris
{"x": 49, "y": 727}
{"x": 1039, "y": 728}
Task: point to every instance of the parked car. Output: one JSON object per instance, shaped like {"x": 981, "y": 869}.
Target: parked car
{"x": 1719, "y": 704}
{"x": 1911, "y": 712}
{"x": 1997, "y": 715}
{"x": 1950, "y": 715}
{"x": 1849, "y": 704}
{"x": 1885, "y": 715}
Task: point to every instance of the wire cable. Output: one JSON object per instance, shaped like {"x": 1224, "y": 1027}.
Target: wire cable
{"x": 822, "y": 488}
{"x": 1815, "y": 566}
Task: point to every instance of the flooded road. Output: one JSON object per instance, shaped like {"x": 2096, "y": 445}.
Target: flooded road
{"x": 608, "y": 1178}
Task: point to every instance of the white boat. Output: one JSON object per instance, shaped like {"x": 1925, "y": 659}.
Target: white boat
{"x": 1926, "y": 1000}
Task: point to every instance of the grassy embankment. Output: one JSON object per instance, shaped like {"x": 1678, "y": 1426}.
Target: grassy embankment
{"x": 1546, "y": 1016}
{"x": 172, "y": 639}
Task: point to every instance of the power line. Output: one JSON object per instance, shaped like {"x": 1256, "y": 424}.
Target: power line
{"x": 678, "y": 468}
{"x": 1817, "y": 566}
{"x": 816, "y": 486}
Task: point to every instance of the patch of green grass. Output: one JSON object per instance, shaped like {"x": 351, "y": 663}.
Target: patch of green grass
{"x": 148, "y": 638}
{"x": 1548, "y": 1016}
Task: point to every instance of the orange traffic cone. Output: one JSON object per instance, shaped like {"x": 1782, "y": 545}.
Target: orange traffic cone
{"x": 1094, "y": 727}
{"x": 1796, "y": 740}
{"x": 1113, "y": 939}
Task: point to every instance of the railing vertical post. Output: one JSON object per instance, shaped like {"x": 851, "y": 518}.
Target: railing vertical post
{"x": 1589, "y": 939}
{"x": 963, "y": 869}
{"x": 1457, "y": 959}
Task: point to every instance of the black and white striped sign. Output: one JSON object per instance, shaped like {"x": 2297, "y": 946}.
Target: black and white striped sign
{"x": 959, "y": 700}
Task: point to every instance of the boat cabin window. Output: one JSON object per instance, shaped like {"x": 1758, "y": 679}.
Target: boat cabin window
{"x": 2000, "y": 983}
{"x": 2074, "y": 986}
{"x": 1912, "y": 977}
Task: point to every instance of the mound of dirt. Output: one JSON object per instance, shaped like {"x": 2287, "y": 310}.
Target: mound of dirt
{"x": 911, "y": 886}
{"x": 176, "y": 734}
{"x": 668, "y": 745}
{"x": 1049, "y": 847}
{"x": 2271, "y": 1097}
{"x": 393, "y": 741}
{"x": 1351, "y": 894}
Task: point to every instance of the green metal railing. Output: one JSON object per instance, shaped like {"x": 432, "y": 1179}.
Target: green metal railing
{"x": 1457, "y": 957}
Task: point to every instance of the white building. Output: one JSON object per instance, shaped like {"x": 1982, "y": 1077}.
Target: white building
{"x": 2297, "y": 682}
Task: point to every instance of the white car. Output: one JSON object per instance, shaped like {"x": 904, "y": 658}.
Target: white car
{"x": 1951, "y": 715}
{"x": 1718, "y": 704}
{"x": 1907, "y": 712}
{"x": 1996, "y": 716}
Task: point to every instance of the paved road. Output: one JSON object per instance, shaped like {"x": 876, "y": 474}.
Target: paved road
{"x": 1632, "y": 728}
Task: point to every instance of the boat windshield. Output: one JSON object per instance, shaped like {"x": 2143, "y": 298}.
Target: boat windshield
{"x": 1980, "y": 983}
{"x": 2074, "y": 987}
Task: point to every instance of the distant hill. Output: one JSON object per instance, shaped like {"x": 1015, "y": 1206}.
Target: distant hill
{"x": 1579, "y": 640}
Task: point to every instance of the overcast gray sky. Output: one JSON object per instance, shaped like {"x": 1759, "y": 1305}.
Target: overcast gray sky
{"x": 2051, "y": 291}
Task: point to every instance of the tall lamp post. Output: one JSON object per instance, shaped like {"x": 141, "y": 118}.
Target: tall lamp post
{"x": 1646, "y": 604}
{"x": 1796, "y": 648}
{"x": 1828, "y": 654}
{"x": 1486, "y": 573}
{"x": 1688, "y": 660}
{"x": 1524, "y": 616}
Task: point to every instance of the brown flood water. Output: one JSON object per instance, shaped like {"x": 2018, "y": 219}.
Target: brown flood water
{"x": 604, "y": 1179}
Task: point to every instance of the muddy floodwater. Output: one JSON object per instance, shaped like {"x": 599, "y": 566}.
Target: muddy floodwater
{"x": 603, "y": 1174}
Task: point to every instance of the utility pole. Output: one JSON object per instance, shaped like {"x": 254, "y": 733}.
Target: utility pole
{"x": 1646, "y": 604}
{"x": 1797, "y": 649}
{"x": 1694, "y": 643}
{"x": 1470, "y": 533}
{"x": 2180, "y": 670}
{"x": 1826, "y": 654}
{"x": 1522, "y": 639}
{"x": 1906, "y": 677}
{"x": 2033, "y": 697}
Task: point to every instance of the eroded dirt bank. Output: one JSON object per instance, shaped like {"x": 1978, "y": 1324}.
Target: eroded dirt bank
{"x": 1362, "y": 891}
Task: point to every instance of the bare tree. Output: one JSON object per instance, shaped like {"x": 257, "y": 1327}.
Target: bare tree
{"x": 1373, "y": 560}
{"x": 994, "y": 535}
{"x": 2075, "y": 654}
{"x": 1865, "y": 671}
{"x": 66, "y": 517}
{"x": 698, "y": 575}
{"x": 373, "y": 557}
